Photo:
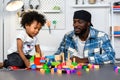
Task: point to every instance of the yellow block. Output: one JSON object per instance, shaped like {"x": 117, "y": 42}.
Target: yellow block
{"x": 87, "y": 69}
{"x": 96, "y": 66}
{"x": 37, "y": 55}
{"x": 42, "y": 71}
{"x": 59, "y": 71}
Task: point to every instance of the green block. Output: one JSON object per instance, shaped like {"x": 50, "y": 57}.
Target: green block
{"x": 47, "y": 70}
{"x": 119, "y": 70}
{"x": 45, "y": 66}
{"x": 55, "y": 63}
{"x": 74, "y": 63}
{"x": 84, "y": 67}
{"x": 32, "y": 59}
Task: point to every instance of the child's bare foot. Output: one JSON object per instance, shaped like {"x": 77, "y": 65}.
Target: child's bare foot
{"x": 1, "y": 65}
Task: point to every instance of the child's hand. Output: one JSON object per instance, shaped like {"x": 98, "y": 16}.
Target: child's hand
{"x": 27, "y": 63}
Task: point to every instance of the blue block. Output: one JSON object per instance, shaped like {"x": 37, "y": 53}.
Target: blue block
{"x": 42, "y": 61}
{"x": 33, "y": 66}
{"x": 55, "y": 69}
{"x": 50, "y": 57}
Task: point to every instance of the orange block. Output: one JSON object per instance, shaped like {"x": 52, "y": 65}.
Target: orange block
{"x": 71, "y": 67}
{"x": 52, "y": 71}
{"x": 42, "y": 71}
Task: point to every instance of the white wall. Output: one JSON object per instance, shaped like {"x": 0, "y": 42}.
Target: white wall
{"x": 50, "y": 42}
{"x": 1, "y": 32}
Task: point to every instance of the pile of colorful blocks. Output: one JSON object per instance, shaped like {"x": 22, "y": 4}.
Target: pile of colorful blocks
{"x": 48, "y": 64}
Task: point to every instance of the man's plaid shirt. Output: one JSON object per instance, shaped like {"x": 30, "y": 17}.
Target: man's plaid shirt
{"x": 97, "y": 47}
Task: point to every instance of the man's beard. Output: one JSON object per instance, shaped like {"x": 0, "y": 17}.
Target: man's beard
{"x": 81, "y": 33}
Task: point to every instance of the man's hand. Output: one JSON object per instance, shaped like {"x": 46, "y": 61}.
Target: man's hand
{"x": 27, "y": 63}
{"x": 79, "y": 60}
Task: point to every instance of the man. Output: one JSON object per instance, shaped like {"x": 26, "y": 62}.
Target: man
{"x": 85, "y": 43}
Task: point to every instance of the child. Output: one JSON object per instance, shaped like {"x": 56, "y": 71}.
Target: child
{"x": 26, "y": 41}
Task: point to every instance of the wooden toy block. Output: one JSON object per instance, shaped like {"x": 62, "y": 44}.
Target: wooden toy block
{"x": 64, "y": 71}
{"x": 68, "y": 56}
{"x": 63, "y": 58}
{"x": 79, "y": 67}
{"x": 39, "y": 66}
{"x": 68, "y": 62}
{"x": 42, "y": 61}
{"x": 55, "y": 69}
{"x": 59, "y": 66}
{"x": 68, "y": 71}
{"x": 31, "y": 63}
{"x": 37, "y": 60}
{"x": 58, "y": 57}
{"x": 96, "y": 66}
{"x": 42, "y": 58}
{"x": 52, "y": 71}
{"x": 79, "y": 73}
{"x": 74, "y": 59}
{"x": 87, "y": 69}
{"x": 45, "y": 66}
{"x": 90, "y": 66}
{"x": 42, "y": 71}
{"x": 71, "y": 67}
{"x": 50, "y": 58}
{"x": 32, "y": 59}
{"x": 55, "y": 63}
{"x": 65, "y": 66}
{"x": 59, "y": 71}
{"x": 47, "y": 70}
{"x": 37, "y": 55}
{"x": 33, "y": 66}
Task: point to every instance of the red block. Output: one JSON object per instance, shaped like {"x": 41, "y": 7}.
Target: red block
{"x": 42, "y": 58}
{"x": 37, "y": 61}
{"x": 14, "y": 67}
{"x": 79, "y": 73}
